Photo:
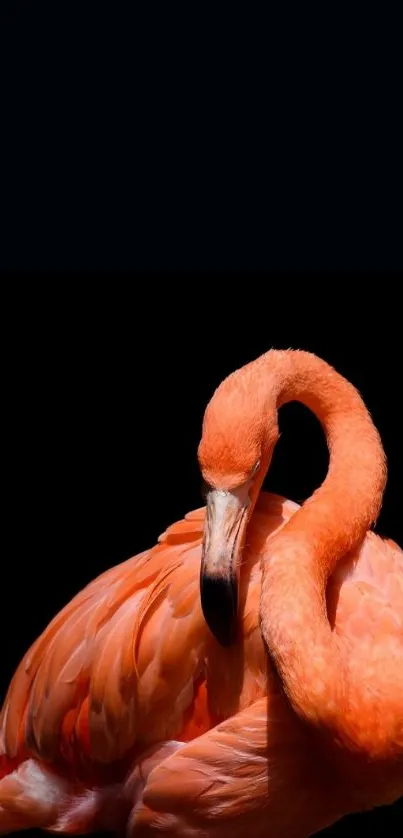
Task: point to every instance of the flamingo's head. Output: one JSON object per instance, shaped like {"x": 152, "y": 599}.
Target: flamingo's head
{"x": 239, "y": 434}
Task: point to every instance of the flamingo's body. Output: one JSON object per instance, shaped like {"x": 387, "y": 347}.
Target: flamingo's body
{"x": 128, "y": 714}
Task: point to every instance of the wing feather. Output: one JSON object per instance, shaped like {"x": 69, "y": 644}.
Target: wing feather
{"x": 240, "y": 775}
{"x": 79, "y": 688}
{"x": 119, "y": 667}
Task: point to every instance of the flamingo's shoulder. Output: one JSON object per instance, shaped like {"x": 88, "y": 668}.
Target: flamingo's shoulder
{"x": 366, "y": 607}
{"x": 118, "y": 665}
{"x": 368, "y": 585}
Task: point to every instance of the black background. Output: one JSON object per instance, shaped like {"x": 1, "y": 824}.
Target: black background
{"x": 106, "y": 380}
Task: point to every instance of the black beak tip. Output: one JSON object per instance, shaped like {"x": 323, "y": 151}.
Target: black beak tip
{"x": 219, "y": 601}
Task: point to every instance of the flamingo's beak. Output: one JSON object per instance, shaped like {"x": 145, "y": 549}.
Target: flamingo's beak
{"x": 225, "y": 525}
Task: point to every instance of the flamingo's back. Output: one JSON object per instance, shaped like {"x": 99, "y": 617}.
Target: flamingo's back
{"x": 126, "y": 666}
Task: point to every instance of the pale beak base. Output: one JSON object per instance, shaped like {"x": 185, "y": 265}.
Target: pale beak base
{"x": 226, "y": 515}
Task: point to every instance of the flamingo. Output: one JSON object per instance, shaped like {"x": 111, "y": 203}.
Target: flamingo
{"x": 242, "y": 677}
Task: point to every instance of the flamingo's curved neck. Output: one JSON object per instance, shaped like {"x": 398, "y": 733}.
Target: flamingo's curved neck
{"x": 332, "y": 522}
